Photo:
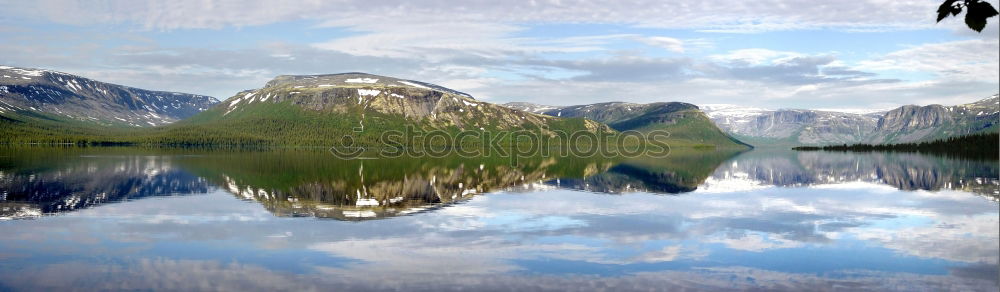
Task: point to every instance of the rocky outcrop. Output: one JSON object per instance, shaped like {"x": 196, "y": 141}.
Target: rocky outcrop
{"x": 921, "y": 123}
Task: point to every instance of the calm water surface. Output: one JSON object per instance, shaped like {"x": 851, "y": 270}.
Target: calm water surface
{"x": 140, "y": 219}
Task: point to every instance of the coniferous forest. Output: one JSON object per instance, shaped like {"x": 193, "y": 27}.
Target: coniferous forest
{"x": 981, "y": 145}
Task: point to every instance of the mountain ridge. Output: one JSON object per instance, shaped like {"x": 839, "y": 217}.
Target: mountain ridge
{"x": 38, "y": 92}
{"x": 347, "y": 92}
{"x": 909, "y": 123}
{"x": 686, "y": 123}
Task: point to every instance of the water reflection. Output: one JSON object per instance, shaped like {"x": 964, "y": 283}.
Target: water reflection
{"x": 739, "y": 221}
{"x": 47, "y": 180}
{"x": 313, "y": 184}
{"x": 316, "y": 185}
{"x": 680, "y": 173}
{"x": 904, "y": 171}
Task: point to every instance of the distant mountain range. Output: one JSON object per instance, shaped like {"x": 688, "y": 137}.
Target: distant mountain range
{"x": 48, "y": 106}
{"x": 688, "y": 126}
{"x": 911, "y": 123}
{"x": 715, "y": 124}
{"x": 43, "y": 94}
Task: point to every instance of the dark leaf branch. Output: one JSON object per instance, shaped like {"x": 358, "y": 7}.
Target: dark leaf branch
{"x": 976, "y": 12}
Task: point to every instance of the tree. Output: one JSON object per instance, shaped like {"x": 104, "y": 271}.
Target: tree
{"x": 976, "y": 12}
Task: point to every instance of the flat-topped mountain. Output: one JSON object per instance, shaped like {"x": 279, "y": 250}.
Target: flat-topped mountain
{"x": 530, "y": 107}
{"x": 688, "y": 126}
{"x": 315, "y": 109}
{"x": 354, "y": 78}
{"x": 910, "y": 123}
{"x": 32, "y": 93}
{"x": 791, "y": 126}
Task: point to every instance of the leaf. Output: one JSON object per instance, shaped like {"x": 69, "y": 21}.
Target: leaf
{"x": 947, "y": 7}
{"x": 977, "y": 13}
{"x": 956, "y": 10}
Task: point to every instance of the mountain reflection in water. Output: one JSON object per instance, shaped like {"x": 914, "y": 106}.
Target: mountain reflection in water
{"x": 41, "y": 181}
{"x": 147, "y": 219}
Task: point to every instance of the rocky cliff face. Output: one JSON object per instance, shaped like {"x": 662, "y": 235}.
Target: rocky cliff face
{"x": 798, "y": 126}
{"x": 920, "y": 123}
{"x": 909, "y": 123}
{"x": 28, "y": 91}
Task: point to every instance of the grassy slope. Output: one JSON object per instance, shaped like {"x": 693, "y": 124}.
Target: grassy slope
{"x": 35, "y": 127}
{"x": 283, "y": 124}
{"x": 287, "y": 124}
{"x": 693, "y": 130}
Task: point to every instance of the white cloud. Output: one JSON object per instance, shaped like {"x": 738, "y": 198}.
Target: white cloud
{"x": 670, "y": 44}
{"x": 421, "y": 36}
{"x": 730, "y": 16}
{"x": 755, "y": 56}
{"x": 490, "y": 49}
{"x": 968, "y": 60}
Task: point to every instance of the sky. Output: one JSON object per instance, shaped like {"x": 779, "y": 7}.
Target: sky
{"x": 850, "y": 55}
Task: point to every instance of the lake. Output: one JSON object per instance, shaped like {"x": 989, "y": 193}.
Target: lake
{"x": 299, "y": 220}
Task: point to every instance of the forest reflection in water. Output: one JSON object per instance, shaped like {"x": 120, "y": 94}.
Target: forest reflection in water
{"x": 140, "y": 219}
{"x": 39, "y": 181}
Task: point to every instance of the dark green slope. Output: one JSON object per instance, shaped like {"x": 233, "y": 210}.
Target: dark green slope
{"x": 38, "y": 127}
{"x": 687, "y": 125}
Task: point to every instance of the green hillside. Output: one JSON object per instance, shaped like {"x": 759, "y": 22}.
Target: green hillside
{"x": 289, "y": 125}
{"x": 687, "y": 128}
{"x": 37, "y": 127}
{"x": 687, "y": 125}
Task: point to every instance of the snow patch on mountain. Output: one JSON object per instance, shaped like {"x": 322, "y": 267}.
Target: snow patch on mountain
{"x": 362, "y": 80}
{"x": 79, "y": 98}
{"x": 369, "y": 92}
{"x": 413, "y": 84}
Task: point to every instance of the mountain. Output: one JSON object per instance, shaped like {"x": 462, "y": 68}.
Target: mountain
{"x": 34, "y": 96}
{"x": 687, "y": 124}
{"x": 789, "y": 127}
{"x": 924, "y": 123}
{"x": 530, "y": 107}
{"x": 321, "y": 109}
